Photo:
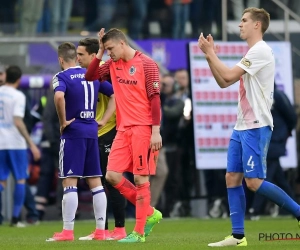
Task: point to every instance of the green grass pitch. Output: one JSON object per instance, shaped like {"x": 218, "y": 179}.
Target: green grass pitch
{"x": 189, "y": 234}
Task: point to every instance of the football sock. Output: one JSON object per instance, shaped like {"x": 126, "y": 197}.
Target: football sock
{"x": 69, "y": 207}
{"x": 1, "y": 217}
{"x": 142, "y": 204}
{"x": 238, "y": 236}
{"x": 19, "y": 197}
{"x": 279, "y": 197}
{"x": 99, "y": 204}
{"x": 40, "y": 205}
{"x": 127, "y": 189}
{"x": 237, "y": 207}
{"x": 118, "y": 204}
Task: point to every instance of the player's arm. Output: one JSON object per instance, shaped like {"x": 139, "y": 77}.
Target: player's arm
{"x": 174, "y": 111}
{"x": 60, "y": 104}
{"x": 111, "y": 108}
{"x": 106, "y": 89}
{"x": 20, "y": 125}
{"x": 153, "y": 92}
{"x": 18, "y": 114}
{"x": 224, "y": 75}
{"x": 95, "y": 71}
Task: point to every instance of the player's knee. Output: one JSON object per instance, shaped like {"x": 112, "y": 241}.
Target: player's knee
{"x": 111, "y": 178}
{"x": 93, "y": 182}
{"x": 253, "y": 183}
{"x": 22, "y": 181}
{"x": 3, "y": 184}
{"x": 141, "y": 179}
{"x": 233, "y": 179}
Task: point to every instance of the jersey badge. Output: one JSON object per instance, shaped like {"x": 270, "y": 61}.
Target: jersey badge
{"x": 155, "y": 85}
{"x": 246, "y": 62}
{"x": 55, "y": 82}
{"x": 132, "y": 70}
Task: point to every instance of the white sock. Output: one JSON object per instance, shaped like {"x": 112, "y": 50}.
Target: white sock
{"x": 99, "y": 204}
{"x": 69, "y": 207}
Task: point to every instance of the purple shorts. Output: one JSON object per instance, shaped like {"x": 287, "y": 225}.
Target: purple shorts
{"x": 79, "y": 157}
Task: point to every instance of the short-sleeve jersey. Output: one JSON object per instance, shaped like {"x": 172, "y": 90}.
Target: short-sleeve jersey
{"x": 12, "y": 103}
{"x": 134, "y": 82}
{"x": 256, "y": 88}
{"x": 81, "y": 98}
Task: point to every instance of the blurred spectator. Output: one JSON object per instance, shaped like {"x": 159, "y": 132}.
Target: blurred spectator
{"x": 30, "y": 14}
{"x": 2, "y": 75}
{"x": 29, "y": 121}
{"x": 60, "y": 11}
{"x": 50, "y": 157}
{"x": 137, "y": 16}
{"x": 238, "y": 7}
{"x": 181, "y": 14}
{"x": 172, "y": 110}
{"x": 158, "y": 180}
{"x": 105, "y": 13}
{"x": 90, "y": 12}
{"x": 7, "y": 16}
{"x": 159, "y": 12}
{"x": 285, "y": 120}
{"x": 44, "y": 25}
{"x": 185, "y": 141}
{"x": 183, "y": 85}
{"x": 203, "y": 15}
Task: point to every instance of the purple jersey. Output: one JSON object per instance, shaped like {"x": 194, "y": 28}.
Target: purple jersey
{"x": 81, "y": 100}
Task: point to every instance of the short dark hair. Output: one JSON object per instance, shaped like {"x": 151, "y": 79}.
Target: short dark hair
{"x": 67, "y": 51}
{"x": 13, "y": 74}
{"x": 114, "y": 34}
{"x": 91, "y": 45}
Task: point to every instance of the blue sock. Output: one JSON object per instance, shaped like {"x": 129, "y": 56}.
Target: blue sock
{"x": 279, "y": 197}
{"x": 1, "y": 217}
{"x": 237, "y": 207}
{"x": 19, "y": 197}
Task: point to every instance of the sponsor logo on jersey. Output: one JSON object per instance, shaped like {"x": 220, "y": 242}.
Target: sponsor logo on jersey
{"x": 126, "y": 81}
{"x": 246, "y": 62}
{"x": 132, "y": 70}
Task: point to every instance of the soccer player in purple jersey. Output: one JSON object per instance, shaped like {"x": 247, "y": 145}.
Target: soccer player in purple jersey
{"x": 76, "y": 100}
